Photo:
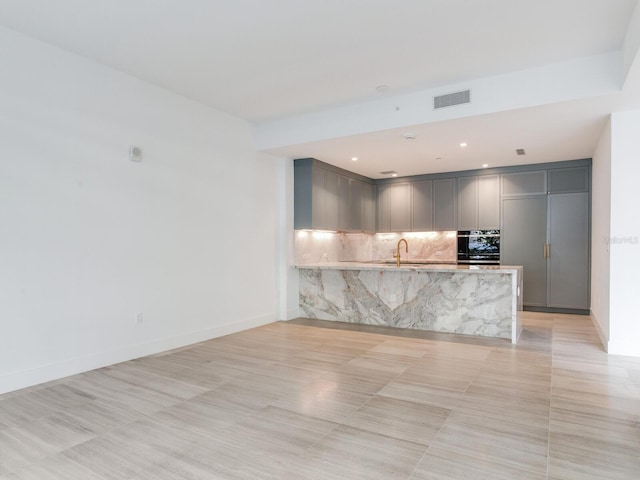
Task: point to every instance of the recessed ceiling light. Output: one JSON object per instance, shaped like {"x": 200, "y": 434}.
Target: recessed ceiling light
{"x": 438, "y": 158}
{"x": 382, "y": 88}
{"x": 485, "y": 165}
{"x": 409, "y": 136}
{"x": 463, "y": 144}
{"x": 354, "y": 159}
{"x": 394, "y": 174}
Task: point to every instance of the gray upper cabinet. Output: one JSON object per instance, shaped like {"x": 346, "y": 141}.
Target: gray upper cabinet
{"x": 361, "y": 207}
{"x": 382, "y": 208}
{"x": 327, "y": 200}
{"x": 310, "y": 205}
{"x": 569, "y": 180}
{"x": 344, "y": 200}
{"x": 488, "y": 202}
{"x": 355, "y": 205}
{"x": 368, "y": 208}
{"x": 399, "y": 207}
{"x": 331, "y": 201}
{"x": 524, "y": 183}
{"x": 444, "y": 204}
{"x": 394, "y": 207}
{"x": 467, "y": 203}
{"x": 422, "y": 206}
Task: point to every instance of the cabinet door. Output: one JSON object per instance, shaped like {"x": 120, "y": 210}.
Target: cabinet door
{"x": 344, "y": 203}
{"x": 399, "y": 207}
{"x": 368, "y": 208}
{"x": 522, "y": 242}
{"x": 444, "y": 204}
{"x": 382, "y": 208}
{"x": 568, "y": 267}
{"x": 488, "y": 202}
{"x": 569, "y": 180}
{"x": 355, "y": 206}
{"x": 524, "y": 183}
{"x": 330, "y": 202}
{"x": 302, "y": 196}
{"x": 467, "y": 203}
{"x": 422, "y": 206}
{"x": 318, "y": 210}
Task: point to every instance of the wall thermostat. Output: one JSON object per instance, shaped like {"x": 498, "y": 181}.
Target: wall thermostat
{"x": 135, "y": 153}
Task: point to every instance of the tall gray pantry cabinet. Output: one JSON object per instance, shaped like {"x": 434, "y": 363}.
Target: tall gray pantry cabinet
{"x": 545, "y": 228}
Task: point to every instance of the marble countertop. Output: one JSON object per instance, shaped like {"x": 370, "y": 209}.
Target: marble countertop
{"x": 425, "y": 267}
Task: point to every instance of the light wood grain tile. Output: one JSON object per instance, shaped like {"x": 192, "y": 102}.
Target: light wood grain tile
{"x": 323, "y": 400}
{"x": 56, "y": 467}
{"x": 441, "y": 464}
{"x": 508, "y": 443}
{"x": 358, "y": 454}
{"x": 413, "y": 422}
{"x": 421, "y": 393}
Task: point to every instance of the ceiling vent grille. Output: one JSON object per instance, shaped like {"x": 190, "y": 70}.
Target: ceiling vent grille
{"x": 520, "y": 151}
{"x": 451, "y": 99}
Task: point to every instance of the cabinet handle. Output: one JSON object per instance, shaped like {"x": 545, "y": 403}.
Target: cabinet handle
{"x": 548, "y": 250}
{"x": 544, "y": 251}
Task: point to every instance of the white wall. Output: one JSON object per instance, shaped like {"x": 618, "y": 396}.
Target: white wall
{"x": 88, "y": 238}
{"x": 600, "y": 233}
{"x": 624, "y": 327}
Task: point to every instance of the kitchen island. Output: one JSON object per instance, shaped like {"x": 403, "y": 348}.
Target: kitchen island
{"x": 472, "y": 300}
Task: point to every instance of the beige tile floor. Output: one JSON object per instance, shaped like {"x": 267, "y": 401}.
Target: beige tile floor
{"x": 321, "y": 400}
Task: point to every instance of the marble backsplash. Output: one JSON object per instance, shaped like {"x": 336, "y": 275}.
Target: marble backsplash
{"x": 317, "y": 247}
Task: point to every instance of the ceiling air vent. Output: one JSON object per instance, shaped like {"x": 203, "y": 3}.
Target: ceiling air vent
{"x": 451, "y": 99}
{"x": 520, "y": 151}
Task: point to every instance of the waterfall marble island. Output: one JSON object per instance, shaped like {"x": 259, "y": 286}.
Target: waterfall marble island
{"x": 355, "y": 279}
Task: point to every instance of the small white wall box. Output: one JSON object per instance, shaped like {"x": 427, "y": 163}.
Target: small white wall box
{"x": 135, "y": 153}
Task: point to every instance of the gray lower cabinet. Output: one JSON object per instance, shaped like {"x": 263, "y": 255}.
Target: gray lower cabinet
{"x": 522, "y": 242}
{"x": 568, "y": 251}
{"x": 549, "y": 236}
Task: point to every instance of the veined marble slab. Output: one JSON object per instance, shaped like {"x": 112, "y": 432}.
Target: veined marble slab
{"x": 443, "y": 298}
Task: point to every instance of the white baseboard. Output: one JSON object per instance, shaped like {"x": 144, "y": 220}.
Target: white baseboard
{"x": 46, "y": 373}
{"x": 604, "y": 337}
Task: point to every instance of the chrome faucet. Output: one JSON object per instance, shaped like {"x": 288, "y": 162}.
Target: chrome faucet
{"x": 397, "y": 254}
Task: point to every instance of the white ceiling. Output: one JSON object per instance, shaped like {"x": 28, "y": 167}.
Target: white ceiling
{"x": 264, "y": 60}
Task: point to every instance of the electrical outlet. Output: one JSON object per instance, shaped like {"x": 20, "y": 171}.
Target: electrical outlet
{"x": 139, "y": 318}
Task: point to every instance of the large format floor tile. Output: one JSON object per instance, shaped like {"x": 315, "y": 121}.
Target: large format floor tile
{"x": 308, "y": 399}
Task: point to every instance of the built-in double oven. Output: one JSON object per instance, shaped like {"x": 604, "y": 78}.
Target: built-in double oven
{"x": 479, "y": 247}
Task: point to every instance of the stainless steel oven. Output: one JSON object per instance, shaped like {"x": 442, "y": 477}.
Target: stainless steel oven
{"x": 479, "y": 247}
